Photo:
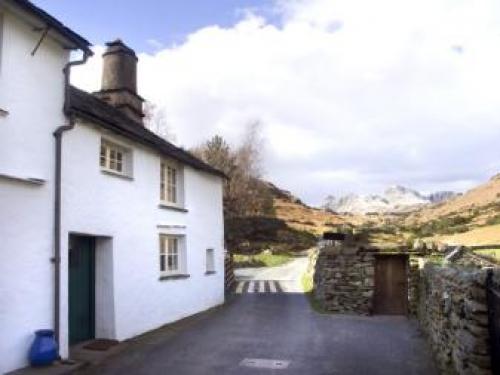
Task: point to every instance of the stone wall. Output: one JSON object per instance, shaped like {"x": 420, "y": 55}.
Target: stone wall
{"x": 453, "y": 313}
{"x": 413, "y": 284}
{"x": 344, "y": 279}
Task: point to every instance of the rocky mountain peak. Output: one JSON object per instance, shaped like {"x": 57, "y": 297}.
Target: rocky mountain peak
{"x": 395, "y": 198}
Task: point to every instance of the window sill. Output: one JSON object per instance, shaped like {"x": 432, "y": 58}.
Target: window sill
{"x": 116, "y": 174}
{"x": 172, "y": 207}
{"x": 174, "y": 277}
{"x": 210, "y": 273}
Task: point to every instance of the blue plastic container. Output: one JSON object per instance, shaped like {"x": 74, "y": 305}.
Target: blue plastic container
{"x": 43, "y": 350}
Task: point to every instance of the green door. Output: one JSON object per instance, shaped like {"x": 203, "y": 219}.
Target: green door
{"x": 81, "y": 289}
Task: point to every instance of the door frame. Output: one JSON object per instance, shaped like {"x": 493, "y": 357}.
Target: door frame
{"x": 92, "y": 282}
{"x": 405, "y": 257}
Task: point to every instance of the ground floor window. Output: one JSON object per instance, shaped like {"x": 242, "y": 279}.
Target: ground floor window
{"x": 210, "y": 261}
{"x": 172, "y": 257}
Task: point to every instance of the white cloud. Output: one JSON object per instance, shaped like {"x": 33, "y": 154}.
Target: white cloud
{"x": 353, "y": 94}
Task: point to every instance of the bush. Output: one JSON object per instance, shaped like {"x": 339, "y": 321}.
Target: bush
{"x": 445, "y": 225}
{"x": 493, "y": 220}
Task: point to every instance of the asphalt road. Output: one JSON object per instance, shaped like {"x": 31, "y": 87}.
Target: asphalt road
{"x": 275, "y": 334}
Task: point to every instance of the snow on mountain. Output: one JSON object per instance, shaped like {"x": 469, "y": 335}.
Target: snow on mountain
{"x": 394, "y": 199}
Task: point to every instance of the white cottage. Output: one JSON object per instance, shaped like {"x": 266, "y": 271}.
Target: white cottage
{"x": 106, "y": 230}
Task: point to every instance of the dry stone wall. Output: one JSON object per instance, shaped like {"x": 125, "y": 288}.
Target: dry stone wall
{"x": 344, "y": 279}
{"x": 453, "y": 313}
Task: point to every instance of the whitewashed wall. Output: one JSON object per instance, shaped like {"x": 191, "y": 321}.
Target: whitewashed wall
{"x": 131, "y": 299}
{"x": 128, "y": 212}
{"x": 31, "y": 90}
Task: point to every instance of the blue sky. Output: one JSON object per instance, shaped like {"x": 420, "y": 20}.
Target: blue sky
{"x": 138, "y": 22}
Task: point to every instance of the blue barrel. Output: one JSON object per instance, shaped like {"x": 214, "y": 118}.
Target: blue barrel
{"x": 43, "y": 350}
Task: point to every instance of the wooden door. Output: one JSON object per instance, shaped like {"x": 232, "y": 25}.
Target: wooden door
{"x": 391, "y": 285}
{"x": 81, "y": 289}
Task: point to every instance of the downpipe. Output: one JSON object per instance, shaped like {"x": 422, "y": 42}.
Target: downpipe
{"x": 58, "y": 134}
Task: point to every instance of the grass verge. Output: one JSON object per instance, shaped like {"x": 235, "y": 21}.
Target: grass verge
{"x": 308, "y": 287}
{"x": 491, "y": 253}
{"x": 264, "y": 259}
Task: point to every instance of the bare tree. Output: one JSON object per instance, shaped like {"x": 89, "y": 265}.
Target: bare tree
{"x": 155, "y": 119}
{"x": 245, "y": 194}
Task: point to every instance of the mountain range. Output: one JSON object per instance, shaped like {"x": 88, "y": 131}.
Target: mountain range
{"x": 394, "y": 199}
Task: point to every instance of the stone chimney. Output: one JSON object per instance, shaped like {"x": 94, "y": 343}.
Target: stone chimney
{"x": 119, "y": 80}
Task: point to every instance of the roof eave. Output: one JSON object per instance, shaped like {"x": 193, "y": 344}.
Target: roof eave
{"x": 72, "y": 39}
{"x": 111, "y": 127}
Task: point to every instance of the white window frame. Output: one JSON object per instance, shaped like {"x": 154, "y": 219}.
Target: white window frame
{"x": 172, "y": 252}
{"x": 210, "y": 260}
{"x": 171, "y": 184}
{"x": 114, "y": 158}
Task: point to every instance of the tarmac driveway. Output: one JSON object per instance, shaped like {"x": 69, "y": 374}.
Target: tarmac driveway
{"x": 279, "y": 327}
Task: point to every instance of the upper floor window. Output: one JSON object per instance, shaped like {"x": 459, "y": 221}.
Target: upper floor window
{"x": 115, "y": 158}
{"x": 171, "y": 184}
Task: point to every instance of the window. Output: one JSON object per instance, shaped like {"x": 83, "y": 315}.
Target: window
{"x": 210, "y": 261}
{"x": 172, "y": 260}
{"x": 114, "y": 158}
{"x": 171, "y": 184}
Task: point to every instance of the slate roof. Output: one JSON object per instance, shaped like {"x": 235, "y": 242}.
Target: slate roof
{"x": 89, "y": 107}
{"x": 55, "y": 24}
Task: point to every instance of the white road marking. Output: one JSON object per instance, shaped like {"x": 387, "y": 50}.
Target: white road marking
{"x": 239, "y": 288}
{"x": 272, "y": 364}
{"x": 250, "y": 287}
{"x": 262, "y": 287}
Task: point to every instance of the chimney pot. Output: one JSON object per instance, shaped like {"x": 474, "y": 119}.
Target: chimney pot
{"x": 119, "y": 80}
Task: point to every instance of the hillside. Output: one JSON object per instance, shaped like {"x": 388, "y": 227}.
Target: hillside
{"x": 471, "y": 218}
{"x": 302, "y": 217}
{"x": 481, "y": 204}
{"x": 488, "y": 235}
{"x": 292, "y": 225}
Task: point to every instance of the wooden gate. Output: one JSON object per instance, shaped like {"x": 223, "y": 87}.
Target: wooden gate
{"x": 391, "y": 285}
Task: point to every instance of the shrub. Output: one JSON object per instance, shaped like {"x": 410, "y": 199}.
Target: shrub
{"x": 493, "y": 220}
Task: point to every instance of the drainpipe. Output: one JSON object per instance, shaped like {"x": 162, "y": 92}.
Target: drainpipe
{"x": 57, "y": 192}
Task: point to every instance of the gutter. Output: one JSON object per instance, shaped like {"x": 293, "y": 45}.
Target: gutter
{"x": 58, "y": 134}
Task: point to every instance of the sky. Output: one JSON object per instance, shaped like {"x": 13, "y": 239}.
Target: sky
{"x": 352, "y": 95}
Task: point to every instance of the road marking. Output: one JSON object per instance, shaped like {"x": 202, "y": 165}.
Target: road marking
{"x": 278, "y": 287}
{"x": 267, "y": 286}
{"x": 272, "y": 364}
{"x": 272, "y": 286}
{"x": 239, "y": 289}
{"x": 262, "y": 287}
{"x": 251, "y": 286}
